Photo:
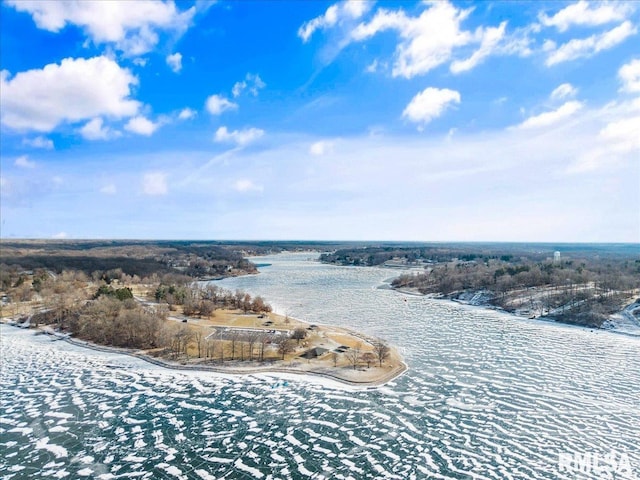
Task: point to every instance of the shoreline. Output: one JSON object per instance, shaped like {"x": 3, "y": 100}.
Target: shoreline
{"x": 488, "y": 307}
{"x": 238, "y": 371}
{"x": 295, "y": 367}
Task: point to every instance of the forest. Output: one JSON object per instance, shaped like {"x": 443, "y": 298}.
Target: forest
{"x": 573, "y": 283}
{"x": 109, "y": 313}
{"x": 134, "y": 258}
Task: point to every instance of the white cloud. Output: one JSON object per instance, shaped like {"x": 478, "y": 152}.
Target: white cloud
{"x": 372, "y": 67}
{"x": 109, "y": 189}
{"x": 444, "y": 182}
{"x": 616, "y": 142}
{"x": 155, "y": 183}
{"x": 356, "y": 8}
{"x": 131, "y": 27}
{"x": 587, "y": 47}
{"x": 586, "y": 13}
{"x": 252, "y": 83}
{"x": 245, "y": 185}
{"x": 427, "y": 41}
{"x": 74, "y": 90}
{"x": 60, "y": 235}
{"x": 24, "y": 162}
{"x": 351, "y": 9}
{"x": 430, "y": 104}
{"x": 175, "y": 62}
{"x": 187, "y": 114}
{"x": 550, "y": 118}
{"x": 141, "y": 126}
{"x": 239, "y": 137}
{"x": 563, "y": 91}
{"x": 94, "y": 130}
{"x": 39, "y": 142}
{"x": 623, "y": 135}
{"x": 320, "y": 148}
{"x": 216, "y": 104}
{"x": 629, "y": 74}
{"x": 489, "y": 40}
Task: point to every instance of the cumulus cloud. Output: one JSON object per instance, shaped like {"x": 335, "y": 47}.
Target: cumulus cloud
{"x": 244, "y": 185}
{"x": 175, "y": 62}
{"x": 586, "y": 13}
{"x": 430, "y": 104}
{"x": 629, "y": 74}
{"x": 239, "y": 137}
{"x": 587, "y": 47}
{"x": 131, "y": 27}
{"x": 142, "y": 126}
{"x": 74, "y": 90}
{"x": 39, "y": 142}
{"x": 553, "y": 117}
{"x": 187, "y": 114}
{"x": 24, "y": 162}
{"x": 563, "y": 91}
{"x": 427, "y": 41}
{"x": 216, "y": 104}
{"x": 351, "y": 9}
{"x": 251, "y": 83}
{"x": 155, "y": 183}
{"x": 320, "y": 148}
{"x": 94, "y": 130}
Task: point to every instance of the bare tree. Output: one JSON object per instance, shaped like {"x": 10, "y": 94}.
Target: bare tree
{"x": 234, "y": 340}
{"x": 381, "y": 351}
{"x": 298, "y": 334}
{"x": 284, "y": 345}
{"x": 251, "y": 340}
{"x": 209, "y": 350}
{"x": 222, "y": 345}
{"x": 179, "y": 341}
{"x": 264, "y": 340}
{"x": 353, "y": 355}
{"x": 246, "y": 303}
{"x": 197, "y": 337}
{"x": 368, "y": 357}
{"x": 207, "y": 308}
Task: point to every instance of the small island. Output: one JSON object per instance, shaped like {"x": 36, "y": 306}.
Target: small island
{"x": 155, "y": 306}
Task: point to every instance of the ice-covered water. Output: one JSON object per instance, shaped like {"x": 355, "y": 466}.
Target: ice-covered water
{"x": 487, "y": 395}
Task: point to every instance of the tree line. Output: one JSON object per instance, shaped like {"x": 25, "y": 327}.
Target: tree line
{"x": 581, "y": 290}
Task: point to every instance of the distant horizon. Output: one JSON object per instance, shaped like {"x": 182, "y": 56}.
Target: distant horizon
{"x": 515, "y": 121}
{"x": 318, "y": 241}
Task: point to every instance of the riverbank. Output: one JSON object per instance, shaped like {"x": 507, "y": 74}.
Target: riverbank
{"x": 625, "y": 322}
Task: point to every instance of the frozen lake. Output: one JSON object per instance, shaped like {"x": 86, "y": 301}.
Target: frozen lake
{"x": 487, "y": 395}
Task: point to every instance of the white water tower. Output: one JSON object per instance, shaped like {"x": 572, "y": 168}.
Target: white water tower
{"x": 556, "y": 257}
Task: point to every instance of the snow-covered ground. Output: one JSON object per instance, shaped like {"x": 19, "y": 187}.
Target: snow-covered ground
{"x": 627, "y": 321}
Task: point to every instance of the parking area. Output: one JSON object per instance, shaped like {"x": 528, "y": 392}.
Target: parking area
{"x": 246, "y": 334}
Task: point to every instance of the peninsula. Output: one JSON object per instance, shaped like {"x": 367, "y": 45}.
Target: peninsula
{"x": 155, "y": 306}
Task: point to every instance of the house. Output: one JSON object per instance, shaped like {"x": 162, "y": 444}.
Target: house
{"x": 314, "y": 352}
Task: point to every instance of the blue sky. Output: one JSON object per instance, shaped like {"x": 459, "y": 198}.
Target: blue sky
{"x": 426, "y": 121}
